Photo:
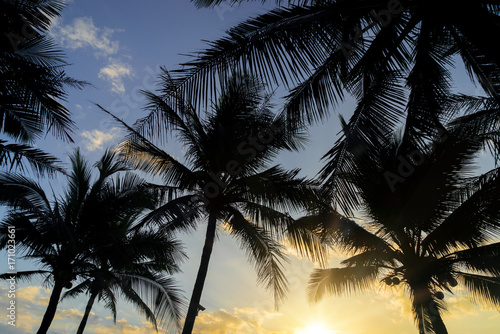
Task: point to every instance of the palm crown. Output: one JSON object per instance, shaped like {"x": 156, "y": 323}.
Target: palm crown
{"x": 430, "y": 224}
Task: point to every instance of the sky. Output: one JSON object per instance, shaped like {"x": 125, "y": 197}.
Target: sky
{"x": 119, "y": 46}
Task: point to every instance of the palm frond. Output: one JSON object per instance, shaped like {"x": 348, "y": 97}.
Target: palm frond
{"x": 15, "y": 156}
{"x": 77, "y": 290}
{"x": 25, "y": 275}
{"x": 340, "y": 281}
{"x": 272, "y": 45}
{"x": 377, "y": 114}
{"x": 474, "y": 221}
{"x": 157, "y": 296}
{"x": 484, "y": 290}
{"x": 345, "y": 233}
{"x": 483, "y": 259}
{"x": 21, "y": 193}
{"x": 264, "y": 252}
{"x": 276, "y": 188}
{"x": 307, "y": 242}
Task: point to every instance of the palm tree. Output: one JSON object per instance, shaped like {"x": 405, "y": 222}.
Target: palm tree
{"x": 226, "y": 179}
{"x": 71, "y": 237}
{"x": 32, "y": 83}
{"x": 133, "y": 264}
{"x": 429, "y": 223}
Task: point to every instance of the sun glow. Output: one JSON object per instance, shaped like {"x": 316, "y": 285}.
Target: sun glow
{"x": 316, "y": 328}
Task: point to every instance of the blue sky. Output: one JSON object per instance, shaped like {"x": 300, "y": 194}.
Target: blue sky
{"x": 119, "y": 46}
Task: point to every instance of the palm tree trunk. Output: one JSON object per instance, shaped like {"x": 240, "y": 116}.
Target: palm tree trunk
{"x": 90, "y": 303}
{"x": 200, "y": 278}
{"x": 425, "y": 307}
{"x": 438, "y": 324}
{"x": 51, "y": 308}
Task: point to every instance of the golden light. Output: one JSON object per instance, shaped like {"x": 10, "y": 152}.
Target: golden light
{"x": 316, "y": 328}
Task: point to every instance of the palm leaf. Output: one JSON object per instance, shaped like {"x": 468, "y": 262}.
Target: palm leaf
{"x": 12, "y": 156}
{"x": 484, "y": 289}
{"x": 264, "y": 252}
{"x": 339, "y": 281}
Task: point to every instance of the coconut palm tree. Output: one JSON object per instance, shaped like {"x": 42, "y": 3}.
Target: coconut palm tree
{"x": 32, "y": 83}
{"x": 133, "y": 264}
{"x": 428, "y": 223}
{"x": 74, "y": 236}
{"x": 226, "y": 179}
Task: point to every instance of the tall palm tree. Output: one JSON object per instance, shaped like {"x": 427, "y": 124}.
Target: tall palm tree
{"x": 226, "y": 178}
{"x": 428, "y": 222}
{"x": 33, "y": 84}
{"x": 70, "y": 237}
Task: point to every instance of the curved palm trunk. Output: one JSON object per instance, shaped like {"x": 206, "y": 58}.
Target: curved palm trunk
{"x": 90, "y": 303}
{"x": 426, "y": 308}
{"x": 200, "y": 278}
{"x": 438, "y": 324}
{"x": 51, "y": 308}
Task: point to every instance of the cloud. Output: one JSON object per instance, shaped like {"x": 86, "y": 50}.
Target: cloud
{"x": 82, "y": 33}
{"x": 31, "y": 303}
{"x": 95, "y": 139}
{"x": 115, "y": 72}
{"x": 241, "y": 320}
{"x": 124, "y": 327}
{"x": 458, "y": 306}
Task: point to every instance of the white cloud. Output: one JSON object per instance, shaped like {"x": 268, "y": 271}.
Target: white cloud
{"x": 95, "y": 139}
{"x": 115, "y": 72}
{"x": 82, "y": 33}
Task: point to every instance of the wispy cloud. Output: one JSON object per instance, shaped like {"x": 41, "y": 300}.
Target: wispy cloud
{"x": 31, "y": 302}
{"x": 124, "y": 327}
{"x": 114, "y": 73}
{"x": 82, "y": 33}
{"x": 96, "y": 139}
{"x": 240, "y": 320}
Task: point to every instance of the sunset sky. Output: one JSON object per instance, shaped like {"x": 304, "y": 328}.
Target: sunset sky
{"x": 118, "y": 46}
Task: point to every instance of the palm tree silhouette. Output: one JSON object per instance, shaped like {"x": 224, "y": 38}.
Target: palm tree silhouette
{"x": 430, "y": 224}
{"x": 226, "y": 179}
{"x": 75, "y": 236}
{"x": 132, "y": 265}
{"x": 32, "y": 83}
